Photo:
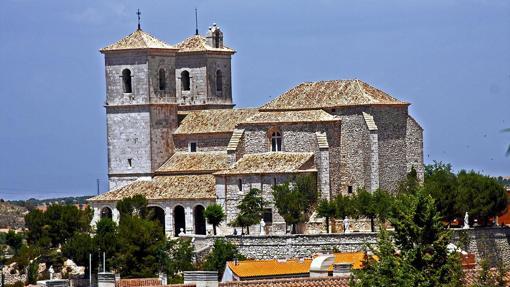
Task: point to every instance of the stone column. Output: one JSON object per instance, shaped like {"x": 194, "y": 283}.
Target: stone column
{"x": 169, "y": 222}
{"x": 190, "y": 224}
{"x": 374, "y": 160}
{"x": 115, "y": 215}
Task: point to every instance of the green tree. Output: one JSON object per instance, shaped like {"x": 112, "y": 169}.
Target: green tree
{"x": 78, "y": 248}
{"x": 140, "y": 244}
{"x": 441, "y": 183}
{"x": 421, "y": 239}
{"x": 326, "y": 209}
{"x": 344, "y": 206}
{"x": 14, "y": 240}
{"x": 106, "y": 239}
{"x": 135, "y": 205}
{"x": 295, "y": 201}
{"x": 251, "y": 209}
{"x": 482, "y": 196}
{"x": 364, "y": 202}
{"x": 214, "y": 215}
{"x": 410, "y": 184}
{"x": 222, "y": 252}
{"x": 177, "y": 257}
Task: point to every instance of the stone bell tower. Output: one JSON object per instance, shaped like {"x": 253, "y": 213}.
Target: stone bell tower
{"x": 141, "y": 109}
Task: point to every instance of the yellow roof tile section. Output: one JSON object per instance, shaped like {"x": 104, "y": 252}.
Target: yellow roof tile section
{"x": 271, "y": 162}
{"x": 328, "y": 94}
{"x": 290, "y": 117}
{"x": 194, "y": 162}
{"x": 213, "y": 121}
{"x": 181, "y": 187}
{"x": 138, "y": 40}
{"x": 274, "y": 267}
{"x": 197, "y": 43}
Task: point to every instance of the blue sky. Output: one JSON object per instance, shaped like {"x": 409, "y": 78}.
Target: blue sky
{"x": 449, "y": 58}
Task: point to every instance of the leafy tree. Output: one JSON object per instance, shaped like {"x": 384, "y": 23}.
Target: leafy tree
{"x": 58, "y": 223}
{"x": 326, "y": 209}
{"x": 214, "y": 215}
{"x": 78, "y": 248}
{"x": 294, "y": 202}
{"x": 482, "y": 196}
{"x": 106, "y": 238}
{"x": 365, "y": 205}
{"x": 222, "y": 252}
{"x": 140, "y": 244}
{"x": 344, "y": 206}
{"x": 441, "y": 183}
{"x": 131, "y": 206}
{"x": 177, "y": 257}
{"x": 251, "y": 209}
{"x": 384, "y": 203}
{"x": 421, "y": 239}
{"x": 410, "y": 184}
{"x": 14, "y": 240}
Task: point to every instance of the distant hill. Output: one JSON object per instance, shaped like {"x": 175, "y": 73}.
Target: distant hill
{"x": 32, "y": 203}
{"x": 12, "y": 216}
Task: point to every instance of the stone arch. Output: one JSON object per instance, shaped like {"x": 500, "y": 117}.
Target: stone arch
{"x": 126, "y": 81}
{"x": 199, "y": 219}
{"x": 185, "y": 81}
{"x": 179, "y": 219}
{"x": 157, "y": 214}
{"x": 106, "y": 212}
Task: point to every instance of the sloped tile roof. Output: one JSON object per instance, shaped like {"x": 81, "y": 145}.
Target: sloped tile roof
{"x": 181, "y": 187}
{"x": 138, "y": 40}
{"x": 274, "y": 267}
{"x": 194, "y": 162}
{"x": 329, "y": 94}
{"x": 292, "y": 282}
{"x": 270, "y": 162}
{"x": 198, "y": 43}
{"x": 290, "y": 117}
{"x": 213, "y": 121}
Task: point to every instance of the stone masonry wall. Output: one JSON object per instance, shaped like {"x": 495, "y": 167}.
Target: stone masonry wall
{"x": 195, "y": 64}
{"x": 136, "y": 62}
{"x": 205, "y": 142}
{"x": 222, "y": 63}
{"x": 163, "y": 124}
{"x": 491, "y": 243}
{"x": 414, "y": 143}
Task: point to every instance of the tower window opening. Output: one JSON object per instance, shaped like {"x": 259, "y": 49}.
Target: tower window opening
{"x": 193, "y": 147}
{"x": 130, "y": 162}
{"x": 349, "y": 189}
{"x": 219, "y": 81}
{"x": 162, "y": 79}
{"x": 276, "y": 141}
{"x": 126, "y": 81}
{"x": 240, "y": 184}
{"x": 185, "y": 81}
{"x": 217, "y": 38}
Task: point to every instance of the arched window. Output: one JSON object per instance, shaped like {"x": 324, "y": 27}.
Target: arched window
{"x": 219, "y": 81}
{"x": 162, "y": 79}
{"x": 185, "y": 82}
{"x": 126, "y": 81}
{"x": 276, "y": 141}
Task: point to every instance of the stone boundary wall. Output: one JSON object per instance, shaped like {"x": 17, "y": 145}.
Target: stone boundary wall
{"x": 490, "y": 243}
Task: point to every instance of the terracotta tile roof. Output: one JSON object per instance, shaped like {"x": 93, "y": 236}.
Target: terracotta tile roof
{"x": 138, "y": 40}
{"x": 290, "y": 117}
{"x": 274, "y": 267}
{"x": 292, "y": 282}
{"x": 271, "y": 162}
{"x": 328, "y": 94}
{"x": 194, "y": 162}
{"x": 198, "y": 43}
{"x": 166, "y": 187}
{"x": 213, "y": 121}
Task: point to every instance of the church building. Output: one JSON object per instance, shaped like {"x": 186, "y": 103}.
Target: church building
{"x": 175, "y": 136}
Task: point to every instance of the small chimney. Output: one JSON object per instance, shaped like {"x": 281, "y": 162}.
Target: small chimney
{"x": 342, "y": 269}
{"x": 201, "y": 278}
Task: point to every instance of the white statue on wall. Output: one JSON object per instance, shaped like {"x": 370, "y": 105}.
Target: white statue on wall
{"x": 466, "y": 221}
{"x": 181, "y": 233}
{"x": 262, "y": 227}
{"x": 52, "y": 271}
{"x": 346, "y": 225}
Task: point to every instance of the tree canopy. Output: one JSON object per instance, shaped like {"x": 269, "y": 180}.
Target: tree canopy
{"x": 214, "y": 215}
